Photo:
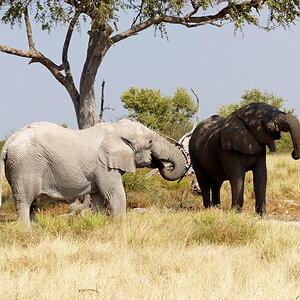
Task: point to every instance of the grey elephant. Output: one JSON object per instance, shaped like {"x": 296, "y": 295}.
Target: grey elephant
{"x": 45, "y": 159}
{"x": 226, "y": 148}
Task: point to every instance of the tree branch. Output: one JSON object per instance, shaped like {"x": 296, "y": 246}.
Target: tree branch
{"x": 23, "y": 53}
{"x": 139, "y": 13}
{"x": 187, "y": 21}
{"x": 36, "y": 56}
{"x": 28, "y": 29}
{"x": 65, "y": 61}
{"x": 195, "y": 7}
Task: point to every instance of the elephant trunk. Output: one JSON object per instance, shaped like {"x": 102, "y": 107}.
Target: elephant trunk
{"x": 165, "y": 152}
{"x": 289, "y": 123}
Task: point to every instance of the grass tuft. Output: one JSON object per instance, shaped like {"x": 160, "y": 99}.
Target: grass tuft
{"x": 229, "y": 228}
{"x": 75, "y": 225}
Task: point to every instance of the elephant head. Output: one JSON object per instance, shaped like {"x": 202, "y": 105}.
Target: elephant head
{"x": 135, "y": 146}
{"x": 251, "y": 127}
{"x": 288, "y": 123}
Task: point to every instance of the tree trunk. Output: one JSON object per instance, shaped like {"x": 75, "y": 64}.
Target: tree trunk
{"x": 87, "y": 113}
{"x": 85, "y": 102}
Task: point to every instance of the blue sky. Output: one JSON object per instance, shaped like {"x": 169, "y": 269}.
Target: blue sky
{"x": 217, "y": 64}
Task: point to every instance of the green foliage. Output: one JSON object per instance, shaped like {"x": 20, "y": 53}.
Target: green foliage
{"x": 168, "y": 115}
{"x": 285, "y": 144}
{"x": 255, "y": 95}
{"x": 136, "y": 181}
{"x": 145, "y": 191}
{"x": 51, "y": 12}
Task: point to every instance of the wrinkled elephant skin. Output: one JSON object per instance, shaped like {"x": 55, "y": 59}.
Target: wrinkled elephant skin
{"x": 226, "y": 148}
{"x": 45, "y": 159}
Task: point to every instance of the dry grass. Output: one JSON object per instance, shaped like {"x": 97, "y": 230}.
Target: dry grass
{"x": 283, "y": 188}
{"x": 157, "y": 255}
{"x": 167, "y": 253}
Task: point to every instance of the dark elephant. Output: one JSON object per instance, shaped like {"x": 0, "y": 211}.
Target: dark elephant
{"x": 226, "y": 148}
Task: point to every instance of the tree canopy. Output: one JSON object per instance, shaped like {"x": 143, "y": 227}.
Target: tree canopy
{"x": 170, "y": 115}
{"x": 107, "y": 27}
{"x": 151, "y": 12}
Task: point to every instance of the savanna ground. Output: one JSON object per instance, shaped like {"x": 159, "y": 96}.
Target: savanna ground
{"x": 174, "y": 250}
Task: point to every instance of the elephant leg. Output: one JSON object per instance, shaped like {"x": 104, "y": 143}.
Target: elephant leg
{"x": 99, "y": 203}
{"x": 23, "y": 209}
{"x": 237, "y": 190}
{"x": 215, "y": 193}
{"x": 32, "y": 210}
{"x": 205, "y": 192}
{"x": 260, "y": 184}
{"x": 112, "y": 191}
{"x": 204, "y": 186}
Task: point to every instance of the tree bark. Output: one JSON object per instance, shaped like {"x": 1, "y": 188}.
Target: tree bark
{"x": 99, "y": 43}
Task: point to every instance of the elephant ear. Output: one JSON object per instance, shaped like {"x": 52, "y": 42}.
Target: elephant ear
{"x": 116, "y": 153}
{"x": 236, "y": 136}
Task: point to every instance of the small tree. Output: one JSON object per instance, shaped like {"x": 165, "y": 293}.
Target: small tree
{"x": 168, "y": 115}
{"x": 255, "y": 95}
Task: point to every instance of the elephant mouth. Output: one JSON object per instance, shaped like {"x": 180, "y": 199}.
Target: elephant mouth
{"x": 160, "y": 164}
{"x": 155, "y": 163}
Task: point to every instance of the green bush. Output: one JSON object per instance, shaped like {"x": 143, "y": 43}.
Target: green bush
{"x": 169, "y": 115}
{"x": 135, "y": 181}
{"x": 145, "y": 191}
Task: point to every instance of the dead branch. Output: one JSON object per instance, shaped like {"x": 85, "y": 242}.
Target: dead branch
{"x": 88, "y": 290}
{"x": 198, "y": 104}
{"x": 102, "y": 101}
{"x": 139, "y": 13}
